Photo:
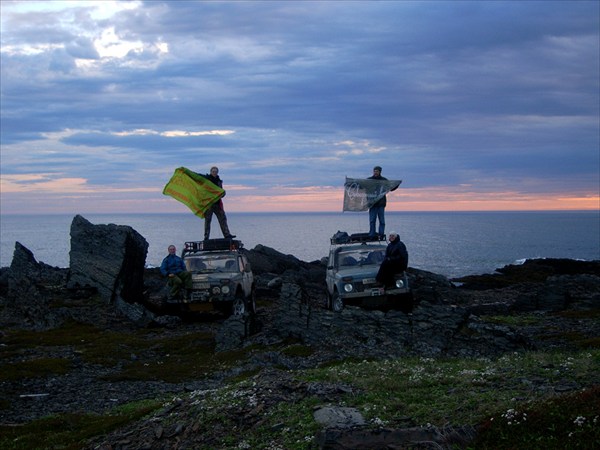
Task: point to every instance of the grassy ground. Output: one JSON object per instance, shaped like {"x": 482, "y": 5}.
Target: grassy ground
{"x": 547, "y": 400}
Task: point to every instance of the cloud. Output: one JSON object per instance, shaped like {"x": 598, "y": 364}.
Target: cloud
{"x": 113, "y": 96}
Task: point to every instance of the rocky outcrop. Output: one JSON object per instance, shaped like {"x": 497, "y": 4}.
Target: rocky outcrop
{"x": 431, "y": 330}
{"x": 30, "y": 287}
{"x": 445, "y": 318}
{"x": 426, "y": 437}
{"x": 531, "y": 271}
{"x": 110, "y": 258}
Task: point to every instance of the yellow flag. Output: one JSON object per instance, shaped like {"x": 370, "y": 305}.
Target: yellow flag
{"x": 193, "y": 190}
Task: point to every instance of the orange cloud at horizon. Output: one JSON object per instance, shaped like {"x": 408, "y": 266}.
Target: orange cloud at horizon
{"x": 316, "y": 199}
{"x": 65, "y": 196}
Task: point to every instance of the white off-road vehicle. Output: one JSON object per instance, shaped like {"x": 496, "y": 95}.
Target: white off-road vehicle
{"x": 352, "y": 266}
{"x": 222, "y": 278}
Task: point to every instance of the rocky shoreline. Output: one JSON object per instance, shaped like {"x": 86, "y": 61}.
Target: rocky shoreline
{"x": 445, "y": 320}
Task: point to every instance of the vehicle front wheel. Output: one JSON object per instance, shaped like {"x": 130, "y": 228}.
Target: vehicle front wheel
{"x": 335, "y": 302}
{"x": 238, "y": 308}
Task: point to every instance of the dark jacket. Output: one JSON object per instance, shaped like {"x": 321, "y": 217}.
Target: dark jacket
{"x": 383, "y": 201}
{"x": 214, "y": 180}
{"x": 395, "y": 262}
{"x": 218, "y": 182}
{"x": 396, "y": 255}
{"x": 172, "y": 264}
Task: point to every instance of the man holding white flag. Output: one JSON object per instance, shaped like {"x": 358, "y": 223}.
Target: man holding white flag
{"x": 369, "y": 194}
{"x": 377, "y": 211}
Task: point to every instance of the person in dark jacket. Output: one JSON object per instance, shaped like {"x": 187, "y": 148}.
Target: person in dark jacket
{"x": 377, "y": 211}
{"x": 395, "y": 261}
{"x": 172, "y": 266}
{"x": 217, "y": 208}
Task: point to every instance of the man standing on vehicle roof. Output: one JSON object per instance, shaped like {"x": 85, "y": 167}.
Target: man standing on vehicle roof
{"x": 173, "y": 267}
{"x": 395, "y": 261}
{"x": 377, "y": 211}
{"x": 216, "y": 208}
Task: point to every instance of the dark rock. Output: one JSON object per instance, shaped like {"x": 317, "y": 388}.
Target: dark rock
{"x": 386, "y": 439}
{"x": 338, "y": 417}
{"x": 265, "y": 259}
{"x": 531, "y": 271}
{"x": 30, "y": 289}
{"x": 108, "y": 257}
{"x": 431, "y": 330}
{"x": 234, "y": 330}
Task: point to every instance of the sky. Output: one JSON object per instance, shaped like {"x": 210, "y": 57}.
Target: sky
{"x": 474, "y": 105}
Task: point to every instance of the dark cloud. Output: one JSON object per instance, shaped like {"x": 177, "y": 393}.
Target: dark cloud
{"x": 440, "y": 93}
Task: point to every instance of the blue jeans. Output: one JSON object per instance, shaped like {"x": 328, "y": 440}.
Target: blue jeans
{"x": 374, "y": 213}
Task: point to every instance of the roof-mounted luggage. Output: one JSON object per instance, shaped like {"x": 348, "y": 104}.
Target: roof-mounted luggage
{"x": 341, "y": 237}
{"x": 208, "y": 245}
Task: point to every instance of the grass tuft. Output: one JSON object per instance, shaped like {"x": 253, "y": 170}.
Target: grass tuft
{"x": 70, "y": 431}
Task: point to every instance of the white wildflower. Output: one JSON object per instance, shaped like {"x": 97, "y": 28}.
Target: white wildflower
{"x": 579, "y": 421}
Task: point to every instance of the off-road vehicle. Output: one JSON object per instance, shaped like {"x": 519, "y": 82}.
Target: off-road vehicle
{"x": 352, "y": 266}
{"x": 222, "y": 278}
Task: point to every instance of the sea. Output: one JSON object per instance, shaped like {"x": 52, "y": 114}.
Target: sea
{"x": 452, "y": 244}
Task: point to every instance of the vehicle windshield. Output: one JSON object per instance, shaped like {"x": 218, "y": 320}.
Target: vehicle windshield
{"x": 212, "y": 263}
{"x": 360, "y": 257}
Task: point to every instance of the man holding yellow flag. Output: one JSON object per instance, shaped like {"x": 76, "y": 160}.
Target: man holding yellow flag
{"x": 216, "y": 208}
{"x": 202, "y": 194}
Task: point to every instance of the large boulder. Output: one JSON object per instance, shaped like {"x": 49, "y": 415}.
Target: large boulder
{"x": 31, "y": 286}
{"x": 110, "y": 258}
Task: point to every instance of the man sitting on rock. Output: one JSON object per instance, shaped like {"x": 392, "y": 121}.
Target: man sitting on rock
{"x": 395, "y": 261}
{"x": 174, "y": 268}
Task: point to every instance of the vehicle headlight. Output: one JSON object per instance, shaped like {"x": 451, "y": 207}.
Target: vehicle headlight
{"x": 348, "y": 287}
{"x": 399, "y": 283}
{"x": 216, "y": 290}
{"x": 225, "y": 289}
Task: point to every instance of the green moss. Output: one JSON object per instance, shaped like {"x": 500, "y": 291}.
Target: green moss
{"x": 243, "y": 376}
{"x": 148, "y": 355}
{"x": 580, "y": 314}
{"x": 298, "y": 350}
{"x": 69, "y": 431}
{"x": 515, "y": 321}
{"x": 34, "y": 368}
{"x": 566, "y": 422}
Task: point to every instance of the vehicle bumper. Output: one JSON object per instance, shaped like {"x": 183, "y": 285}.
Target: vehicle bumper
{"x": 374, "y": 292}
{"x": 194, "y": 297}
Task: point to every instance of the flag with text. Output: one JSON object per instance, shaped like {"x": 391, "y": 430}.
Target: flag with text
{"x": 362, "y": 193}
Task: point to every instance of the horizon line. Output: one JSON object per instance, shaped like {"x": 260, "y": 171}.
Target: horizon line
{"x": 307, "y": 212}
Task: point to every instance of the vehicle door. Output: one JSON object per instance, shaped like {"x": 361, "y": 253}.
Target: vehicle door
{"x": 331, "y": 270}
{"x": 247, "y": 277}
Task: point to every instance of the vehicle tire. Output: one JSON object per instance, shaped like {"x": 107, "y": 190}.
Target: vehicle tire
{"x": 335, "y": 302}
{"x": 251, "y": 301}
{"x": 238, "y": 307}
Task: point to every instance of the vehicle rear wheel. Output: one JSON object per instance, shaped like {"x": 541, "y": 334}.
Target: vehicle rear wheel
{"x": 238, "y": 308}
{"x": 335, "y": 302}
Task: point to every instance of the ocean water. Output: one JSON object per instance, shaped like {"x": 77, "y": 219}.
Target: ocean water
{"x": 449, "y": 243}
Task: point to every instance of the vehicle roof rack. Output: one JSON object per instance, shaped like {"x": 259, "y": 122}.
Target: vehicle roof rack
{"x": 208, "y": 245}
{"x": 341, "y": 237}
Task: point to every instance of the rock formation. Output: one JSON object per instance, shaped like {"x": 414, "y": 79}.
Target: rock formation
{"x": 30, "y": 288}
{"x": 444, "y": 319}
{"x": 110, "y": 258}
